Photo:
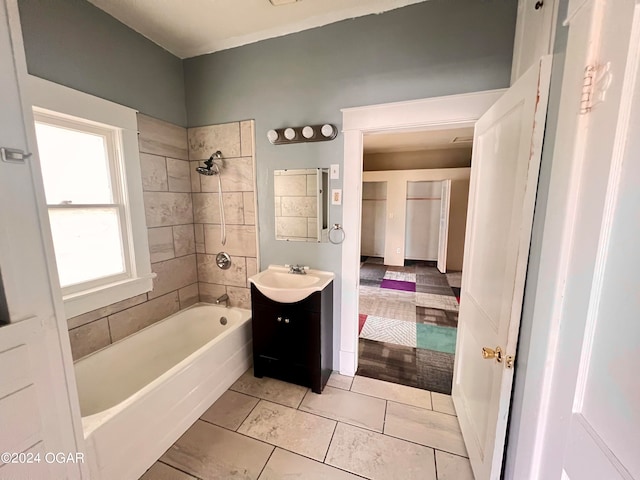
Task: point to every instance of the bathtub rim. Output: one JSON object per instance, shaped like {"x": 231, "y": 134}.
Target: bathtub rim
{"x": 92, "y": 422}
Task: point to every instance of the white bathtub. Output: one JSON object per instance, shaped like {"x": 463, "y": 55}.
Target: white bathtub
{"x": 140, "y": 394}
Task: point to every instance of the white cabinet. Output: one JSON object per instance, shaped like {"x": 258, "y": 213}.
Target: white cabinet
{"x": 535, "y": 33}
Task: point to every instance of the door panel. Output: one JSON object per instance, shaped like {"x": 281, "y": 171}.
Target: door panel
{"x": 504, "y": 174}
{"x": 38, "y": 403}
{"x": 443, "y": 236}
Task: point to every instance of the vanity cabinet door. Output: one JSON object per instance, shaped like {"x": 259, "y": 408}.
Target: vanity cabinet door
{"x": 283, "y": 333}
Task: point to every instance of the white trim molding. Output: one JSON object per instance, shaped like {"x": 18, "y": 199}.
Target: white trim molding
{"x": 424, "y": 114}
{"x": 67, "y": 102}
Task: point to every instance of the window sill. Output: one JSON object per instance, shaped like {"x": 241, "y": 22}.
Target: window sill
{"x": 82, "y": 302}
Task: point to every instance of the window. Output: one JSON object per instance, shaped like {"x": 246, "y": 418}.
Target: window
{"x": 91, "y": 178}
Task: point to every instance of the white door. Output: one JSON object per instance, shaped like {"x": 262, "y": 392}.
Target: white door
{"x": 504, "y": 176}
{"x": 593, "y": 422}
{"x": 37, "y": 413}
{"x": 443, "y": 240}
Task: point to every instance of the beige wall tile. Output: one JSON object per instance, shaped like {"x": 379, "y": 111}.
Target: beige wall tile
{"x": 165, "y": 208}
{"x": 241, "y": 240}
{"x": 162, "y": 138}
{"x": 75, "y": 322}
{"x": 278, "y": 204}
{"x": 252, "y": 268}
{"x": 184, "y": 240}
{"x": 199, "y": 237}
{"x": 161, "y": 244}
{"x": 312, "y": 227}
{"x": 299, "y": 206}
{"x": 129, "y": 321}
{"x": 239, "y": 297}
{"x": 237, "y": 176}
{"x": 195, "y": 176}
{"x": 290, "y": 185}
{"x": 291, "y": 227}
{"x": 209, "y": 272}
{"x": 188, "y": 296}
{"x": 204, "y": 141}
{"x": 89, "y": 338}
{"x": 173, "y": 274}
{"x": 209, "y": 292}
{"x": 246, "y": 138}
{"x": 207, "y": 210}
{"x": 154, "y": 173}
{"x": 179, "y": 175}
{"x": 312, "y": 185}
{"x": 249, "y": 208}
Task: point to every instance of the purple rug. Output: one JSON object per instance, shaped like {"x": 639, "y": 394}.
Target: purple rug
{"x": 398, "y": 285}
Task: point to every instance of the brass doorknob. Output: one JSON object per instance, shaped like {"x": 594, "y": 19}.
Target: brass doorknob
{"x": 490, "y": 353}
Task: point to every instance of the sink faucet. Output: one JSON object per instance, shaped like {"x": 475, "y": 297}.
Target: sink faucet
{"x": 297, "y": 269}
{"x": 223, "y": 299}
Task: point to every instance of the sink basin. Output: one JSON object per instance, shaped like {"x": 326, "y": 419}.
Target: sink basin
{"x": 281, "y": 286}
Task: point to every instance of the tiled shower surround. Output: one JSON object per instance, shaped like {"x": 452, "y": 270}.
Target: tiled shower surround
{"x": 183, "y": 222}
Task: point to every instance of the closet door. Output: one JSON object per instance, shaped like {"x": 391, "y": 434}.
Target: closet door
{"x": 374, "y": 215}
{"x": 422, "y": 230}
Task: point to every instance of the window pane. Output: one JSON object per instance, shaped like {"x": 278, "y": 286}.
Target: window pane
{"x": 87, "y": 243}
{"x": 75, "y": 165}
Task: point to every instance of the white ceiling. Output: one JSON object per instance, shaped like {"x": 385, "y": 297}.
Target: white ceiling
{"x": 418, "y": 140}
{"x": 195, "y": 27}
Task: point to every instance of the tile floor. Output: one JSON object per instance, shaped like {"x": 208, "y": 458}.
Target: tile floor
{"x": 408, "y": 323}
{"x": 358, "y": 428}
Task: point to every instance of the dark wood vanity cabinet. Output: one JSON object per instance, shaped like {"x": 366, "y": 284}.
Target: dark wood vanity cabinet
{"x": 293, "y": 341}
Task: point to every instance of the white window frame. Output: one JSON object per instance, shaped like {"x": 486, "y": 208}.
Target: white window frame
{"x": 60, "y": 104}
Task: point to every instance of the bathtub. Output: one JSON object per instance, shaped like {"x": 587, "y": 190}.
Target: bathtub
{"x": 138, "y": 395}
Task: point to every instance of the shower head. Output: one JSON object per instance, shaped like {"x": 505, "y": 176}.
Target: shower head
{"x": 210, "y": 168}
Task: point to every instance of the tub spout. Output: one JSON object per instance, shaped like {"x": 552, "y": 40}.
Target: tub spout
{"x": 223, "y": 299}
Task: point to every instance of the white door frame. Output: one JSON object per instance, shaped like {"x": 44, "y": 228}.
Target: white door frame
{"x": 425, "y": 114}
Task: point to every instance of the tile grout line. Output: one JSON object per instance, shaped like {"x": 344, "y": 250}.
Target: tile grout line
{"x": 267, "y": 462}
{"x": 326, "y": 454}
{"x": 176, "y": 468}
{"x": 435, "y": 463}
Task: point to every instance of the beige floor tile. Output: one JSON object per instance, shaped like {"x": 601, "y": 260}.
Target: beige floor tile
{"x": 270, "y": 389}
{"x": 286, "y": 465}
{"x": 379, "y": 457}
{"x": 340, "y": 381}
{"x": 161, "y": 471}
{"x": 392, "y": 391}
{"x": 285, "y": 427}
{"x": 442, "y": 403}
{"x": 453, "y": 467}
{"x": 208, "y": 451}
{"x": 433, "y": 429}
{"x": 230, "y": 410}
{"x": 348, "y": 407}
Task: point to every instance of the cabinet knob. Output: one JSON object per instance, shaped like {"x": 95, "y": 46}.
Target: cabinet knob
{"x": 286, "y": 320}
{"x": 279, "y": 319}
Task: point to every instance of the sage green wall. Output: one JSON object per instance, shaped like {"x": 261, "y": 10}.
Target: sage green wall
{"x": 73, "y": 43}
{"x": 429, "y": 49}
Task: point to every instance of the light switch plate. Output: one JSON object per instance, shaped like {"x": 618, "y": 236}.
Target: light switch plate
{"x": 335, "y": 171}
{"x": 336, "y": 196}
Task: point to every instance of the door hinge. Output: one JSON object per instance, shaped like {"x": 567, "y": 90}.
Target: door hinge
{"x": 596, "y": 82}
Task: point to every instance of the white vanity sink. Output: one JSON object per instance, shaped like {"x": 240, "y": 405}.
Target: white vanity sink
{"x": 281, "y": 286}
